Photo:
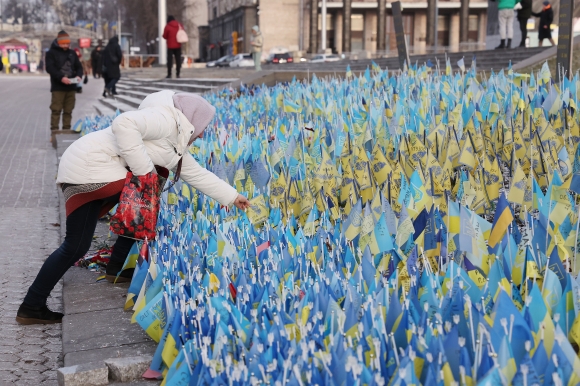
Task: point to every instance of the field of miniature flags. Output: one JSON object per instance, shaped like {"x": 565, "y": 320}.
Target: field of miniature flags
{"x": 408, "y": 229}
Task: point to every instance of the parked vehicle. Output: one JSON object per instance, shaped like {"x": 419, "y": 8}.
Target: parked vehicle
{"x": 242, "y": 60}
{"x": 323, "y": 58}
{"x": 224, "y": 61}
{"x": 281, "y": 58}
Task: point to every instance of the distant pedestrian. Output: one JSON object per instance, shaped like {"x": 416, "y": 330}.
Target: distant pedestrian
{"x": 111, "y": 59}
{"x": 257, "y": 43}
{"x": 506, "y": 22}
{"x": 65, "y": 71}
{"x": 545, "y": 27}
{"x": 86, "y": 79}
{"x": 175, "y": 35}
{"x": 524, "y": 14}
{"x": 96, "y": 60}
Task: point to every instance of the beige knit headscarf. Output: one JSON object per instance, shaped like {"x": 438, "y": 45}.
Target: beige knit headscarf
{"x": 197, "y": 110}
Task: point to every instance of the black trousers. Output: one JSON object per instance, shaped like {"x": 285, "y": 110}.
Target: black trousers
{"x": 80, "y": 227}
{"x": 171, "y": 52}
{"x": 110, "y": 83}
{"x": 523, "y": 30}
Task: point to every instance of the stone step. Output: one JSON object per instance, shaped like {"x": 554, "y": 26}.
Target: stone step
{"x": 129, "y": 100}
{"x": 133, "y": 93}
{"x": 115, "y": 104}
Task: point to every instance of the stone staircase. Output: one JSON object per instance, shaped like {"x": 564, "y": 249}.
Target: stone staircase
{"x": 486, "y": 60}
{"x": 133, "y": 90}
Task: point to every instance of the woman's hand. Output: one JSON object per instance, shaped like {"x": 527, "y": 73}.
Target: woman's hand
{"x": 242, "y": 202}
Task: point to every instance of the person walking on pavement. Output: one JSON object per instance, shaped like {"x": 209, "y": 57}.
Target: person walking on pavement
{"x": 257, "y": 43}
{"x": 111, "y": 58}
{"x": 173, "y": 46}
{"x": 506, "y": 22}
{"x": 92, "y": 174}
{"x": 96, "y": 60}
{"x": 545, "y": 27}
{"x": 524, "y": 14}
{"x": 64, "y": 68}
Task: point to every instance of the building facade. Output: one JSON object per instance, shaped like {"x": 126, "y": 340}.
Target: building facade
{"x": 362, "y": 26}
{"x": 195, "y": 16}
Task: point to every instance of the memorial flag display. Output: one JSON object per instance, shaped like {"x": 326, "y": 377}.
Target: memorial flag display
{"x": 416, "y": 228}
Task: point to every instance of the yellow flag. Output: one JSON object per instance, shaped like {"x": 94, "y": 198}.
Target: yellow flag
{"x": 380, "y": 166}
{"x": 361, "y": 169}
{"x": 467, "y": 155}
{"x": 517, "y": 191}
{"x": 258, "y": 211}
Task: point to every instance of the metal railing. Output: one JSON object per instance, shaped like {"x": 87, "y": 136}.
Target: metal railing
{"x": 148, "y": 60}
{"x": 412, "y": 50}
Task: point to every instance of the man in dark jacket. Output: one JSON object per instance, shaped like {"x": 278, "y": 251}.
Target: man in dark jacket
{"x": 96, "y": 60}
{"x": 65, "y": 71}
{"x": 545, "y": 27}
{"x": 524, "y": 13}
{"x": 173, "y": 46}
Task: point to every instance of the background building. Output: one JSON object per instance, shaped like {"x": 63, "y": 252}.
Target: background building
{"x": 362, "y": 27}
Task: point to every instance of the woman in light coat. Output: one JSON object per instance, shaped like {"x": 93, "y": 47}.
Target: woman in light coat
{"x": 92, "y": 172}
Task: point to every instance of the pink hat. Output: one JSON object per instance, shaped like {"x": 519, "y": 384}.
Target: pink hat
{"x": 197, "y": 110}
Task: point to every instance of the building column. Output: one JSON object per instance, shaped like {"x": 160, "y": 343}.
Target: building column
{"x": 463, "y": 21}
{"x": 313, "y": 26}
{"x": 482, "y": 27}
{"x": 381, "y": 26}
{"x": 346, "y": 47}
{"x": 454, "y": 31}
{"x": 420, "y": 33}
{"x": 431, "y": 22}
{"x": 370, "y": 30}
{"x": 338, "y": 32}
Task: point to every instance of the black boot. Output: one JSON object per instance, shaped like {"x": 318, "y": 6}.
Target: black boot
{"x": 509, "y": 44}
{"x": 113, "y": 269}
{"x": 501, "y": 45}
{"x": 104, "y": 93}
{"x": 37, "y": 315}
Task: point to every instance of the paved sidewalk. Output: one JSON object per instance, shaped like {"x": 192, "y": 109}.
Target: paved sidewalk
{"x": 30, "y": 225}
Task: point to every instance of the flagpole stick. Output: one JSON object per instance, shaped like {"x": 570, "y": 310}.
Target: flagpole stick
{"x": 548, "y": 224}
{"x": 545, "y": 272}
{"x": 576, "y": 241}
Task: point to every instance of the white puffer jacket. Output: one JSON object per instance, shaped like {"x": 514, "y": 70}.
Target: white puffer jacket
{"x": 156, "y": 134}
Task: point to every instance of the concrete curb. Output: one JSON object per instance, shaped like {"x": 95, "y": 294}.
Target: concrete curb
{"x": 542, "y": 56}
{"x": 99, "y": 373}
{"x": 128, "y": 369}
{"x": 88, "y": 374}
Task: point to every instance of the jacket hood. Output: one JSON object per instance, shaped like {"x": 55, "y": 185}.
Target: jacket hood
{"x": 173, "y": 23}
{"x": 164, "y": 99}
{"x": 113, "y": 40}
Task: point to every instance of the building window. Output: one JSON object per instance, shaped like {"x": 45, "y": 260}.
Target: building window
{"x": 443, "y": 30}
{"x": 473, "y": 29}
{"x": 408, "y": 27}
{"x": 215, "y": 12}
{"x": 357, "y": 28}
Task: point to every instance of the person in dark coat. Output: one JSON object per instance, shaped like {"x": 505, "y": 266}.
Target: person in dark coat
{"x": 524, "y": 13}
{"x": 546, "y": 19}
{"x": 173, "y": 46}
{"x": 112, "y": 56}
{"x": 96, "y": 59}
{"x": 64, "y": 68}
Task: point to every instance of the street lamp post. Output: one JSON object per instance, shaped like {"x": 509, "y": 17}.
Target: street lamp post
{"x": 162, "y": 12}
{"x": 323, "y": 27}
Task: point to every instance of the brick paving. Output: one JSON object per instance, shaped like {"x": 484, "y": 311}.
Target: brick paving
{"x": 29, "y": 225}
